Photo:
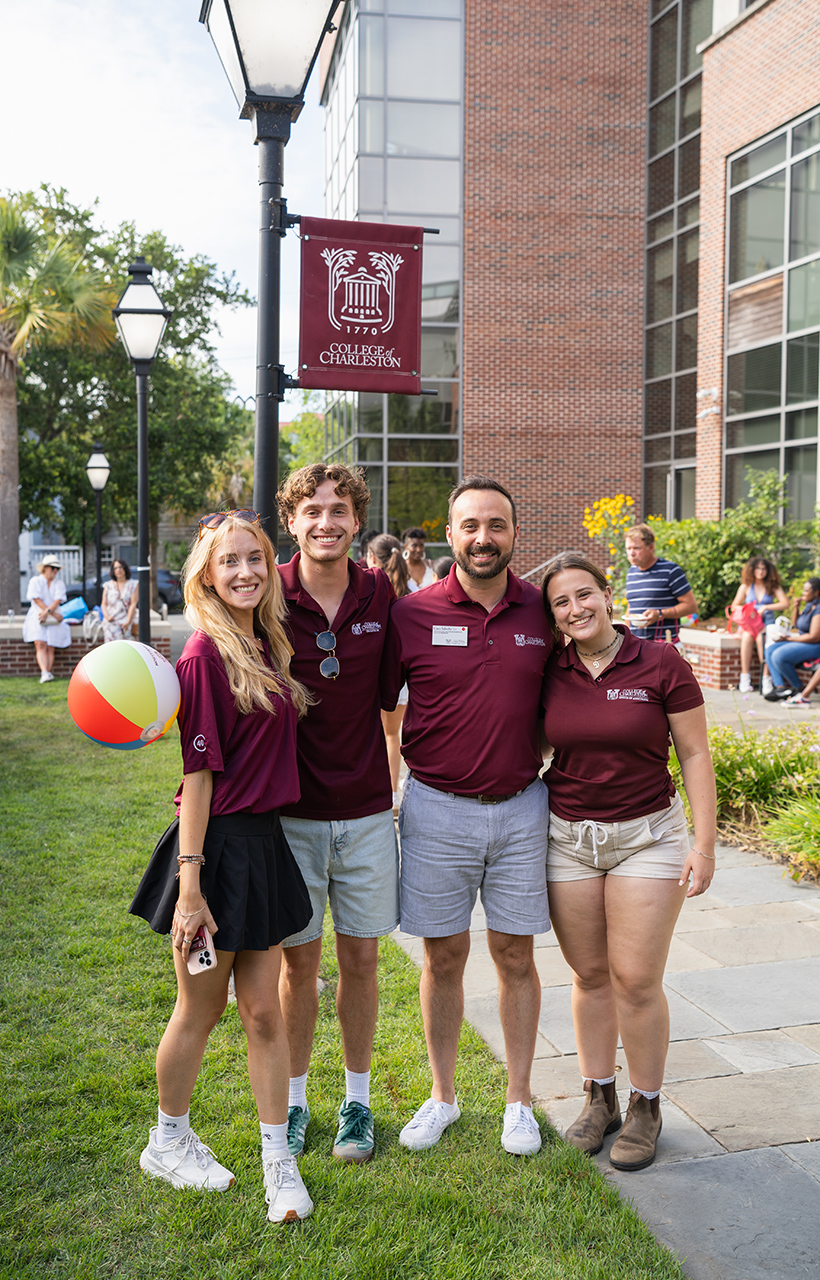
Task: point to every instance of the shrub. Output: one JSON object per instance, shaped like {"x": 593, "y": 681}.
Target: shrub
{"x": 796, "y": 831}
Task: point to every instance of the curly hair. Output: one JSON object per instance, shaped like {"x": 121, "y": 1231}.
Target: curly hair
{"x": 304, "y": 483}
{"x": 772, "y": 579}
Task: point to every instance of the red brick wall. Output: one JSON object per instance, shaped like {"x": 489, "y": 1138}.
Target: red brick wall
{"x": 17, "y": 657}
{"x": 755, "y": 78}
{"x": 554, "y": 181}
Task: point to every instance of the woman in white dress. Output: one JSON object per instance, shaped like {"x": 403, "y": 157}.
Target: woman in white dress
{"x": 419, "y": 568}
{"x": 119, "y": 600}
{"x": 44, "y": 624}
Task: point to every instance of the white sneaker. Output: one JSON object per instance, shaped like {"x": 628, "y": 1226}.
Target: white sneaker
{"x": 521, "y": 1136}
{"x": 428, "y": 1124}
{"x": 285, "y": 1193}
{"x": 185, "y": 1162}
{"x": 745, "y": 685}
{"x": 45, "y": 677}
{"x": 767, "y": 684}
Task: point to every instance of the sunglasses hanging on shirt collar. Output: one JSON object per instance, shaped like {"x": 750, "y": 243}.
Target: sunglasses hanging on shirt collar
{"x": 329, "y": 666}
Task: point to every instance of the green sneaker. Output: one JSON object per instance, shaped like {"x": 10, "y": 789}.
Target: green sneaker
{"x": 298, "y": 1118}
{"x": 354, "y": 1140}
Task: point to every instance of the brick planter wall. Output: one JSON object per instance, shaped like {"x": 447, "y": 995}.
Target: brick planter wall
{"x": 17, "y": 656}
{"x": 714, "y": 656}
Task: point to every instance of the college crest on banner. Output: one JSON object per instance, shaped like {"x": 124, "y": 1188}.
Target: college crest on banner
{"x": 360, "y": 312}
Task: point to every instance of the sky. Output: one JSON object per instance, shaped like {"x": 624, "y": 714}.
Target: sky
{"x": 126, "y": 104}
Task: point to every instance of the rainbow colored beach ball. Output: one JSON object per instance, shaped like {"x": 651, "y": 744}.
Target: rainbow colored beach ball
{"x": 124, "y": 695}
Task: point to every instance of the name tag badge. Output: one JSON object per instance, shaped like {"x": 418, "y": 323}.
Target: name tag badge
{"x": 452, "y": 636}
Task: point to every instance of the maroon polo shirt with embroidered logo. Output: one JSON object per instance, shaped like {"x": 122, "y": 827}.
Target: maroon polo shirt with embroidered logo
{"x": 611, "y": 733}
{"x": 340, "y": 745}
{"x": 475, "y": 680}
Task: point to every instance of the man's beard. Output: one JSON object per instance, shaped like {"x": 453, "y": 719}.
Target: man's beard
{"x": 483, "y": 572}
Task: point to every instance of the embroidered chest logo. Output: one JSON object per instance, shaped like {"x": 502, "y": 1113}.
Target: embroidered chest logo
{"x": 365, "y": 628}
{"x": 521, "y": 641}
{"x": 627, "y": 695}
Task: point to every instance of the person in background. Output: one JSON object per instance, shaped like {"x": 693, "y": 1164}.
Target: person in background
{"x": 119, "y": 600}
{"x": 365, "y": 539}
{"x": 442, "y": 567}
{"x": 224, "y": 862}
{"x": 802, "y": 644}
{"x": 419, "y": 568}
{"x": 657, "y": 591}
{"x": 44, "y": 624}
{"x": 804, "y": 699}
{"x": 385, "y": 552}
{"x": 759, "y": 585}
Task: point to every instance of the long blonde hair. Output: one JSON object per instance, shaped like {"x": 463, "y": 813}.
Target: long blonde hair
{"x": 250, "y": 680}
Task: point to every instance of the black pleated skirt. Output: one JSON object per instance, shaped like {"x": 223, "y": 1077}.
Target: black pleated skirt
{"x": 253, "y": 885}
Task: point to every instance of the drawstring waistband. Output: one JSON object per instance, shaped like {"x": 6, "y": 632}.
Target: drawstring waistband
{"x": 597, "y": 833}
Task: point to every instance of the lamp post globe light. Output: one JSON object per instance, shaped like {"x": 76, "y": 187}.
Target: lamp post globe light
{"x": 97, "y": 470}
{"x": 141, "y": 317}
{"x": 268, "y": 51}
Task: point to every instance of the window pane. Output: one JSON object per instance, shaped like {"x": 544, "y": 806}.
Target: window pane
{"x": 659, "y": 351}
{"x": 801, "y": 425}
{"x": 658, "y": 450}
{"x": 423, "y": 129}
{"x": 759, "y": 160}
{"x": 664, "y": 55}
{"x": 424, "y": 186}
{"x": 654, "y": 485}
{"x": 756, "y": 228}
{"x": 737, "y": 480}
{"x": 424, "y": 58}
{"x": 697, "y": 26}
{"x": 416, "y": 494}
{"x": 689, "y": 167}
{"x": 754, "y": 380}
{"x": 439, "y": 353}
{"x": 743, "y": 435}
{"x": 660, "y": 265}
{"x": 419, "y": 415}
{"x": 371, "y": 57}
{"x": 405, "y": 449}
{"x": 688, "y": 271}
{"x": 685, "y": 493}
{"x": 805, "y": 215}
{"x": 658, "y": 407}
{"x": 689, "y": 213}
{"x": 374, "y": 478}
{"x": 756, "y": 312}
{"x": 804, "y": 296}
{"x": 690, "y": 100}
{"x": 368, "y": 450}
{"x": 371, "y": 183}
{"x": 371, "y": 127}
{"x": 801, "y": 482}
{"x": 686, "y": 446}
{"x": 658, "y": 6}
{"x": 686, "y": 401}
{"x": 661, "y": 227}
{"x": 370, "y": 412}
{"x": 662, "y": 182}
{"x": 426, "y": 8}
{"x": 687, "y": 343}
{"x": 662, "y": 125}
{"x": 802, "y": 368}
{"x": 806, "y": 135}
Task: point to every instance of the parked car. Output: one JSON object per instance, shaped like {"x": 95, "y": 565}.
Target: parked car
{"x": 168, "y": 588}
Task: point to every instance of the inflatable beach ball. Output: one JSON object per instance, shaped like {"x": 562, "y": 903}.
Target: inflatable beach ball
{"x": 123, "y": 695}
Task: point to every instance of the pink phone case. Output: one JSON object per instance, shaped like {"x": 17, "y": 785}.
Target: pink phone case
{"x": 202, "y": 955}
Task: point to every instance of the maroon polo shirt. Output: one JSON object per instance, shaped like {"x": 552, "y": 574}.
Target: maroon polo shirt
{"x": 252, "y": 757}
{"x": 340, "y": 745}
{"x": 611, "y": 733}
{"x": 472, "y": 719}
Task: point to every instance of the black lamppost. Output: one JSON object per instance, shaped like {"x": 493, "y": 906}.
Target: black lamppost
{"x": 141, "y": 319}
{"x": 268, "y": 51}
{"x": 97, "y": 470}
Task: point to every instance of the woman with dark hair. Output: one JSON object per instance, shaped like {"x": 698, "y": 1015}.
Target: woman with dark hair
{"x": 802, "y": 644}
{"x": 385, "y": 552}
{"x": 619, "y": 857}
{"x": 419, "y": 568}
{"x": 759, "y": 586}
{"x": 224, "y": 863}
{"x": 119, "y": 600}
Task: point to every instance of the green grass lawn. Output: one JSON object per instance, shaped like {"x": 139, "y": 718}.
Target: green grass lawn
{"x": 86, "y": 992}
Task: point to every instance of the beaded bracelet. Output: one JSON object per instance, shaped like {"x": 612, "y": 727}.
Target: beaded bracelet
{"x": 710, "y": 856}
{"x": 192, "y": 857}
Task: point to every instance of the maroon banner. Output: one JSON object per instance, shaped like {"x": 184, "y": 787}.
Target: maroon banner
{"x": 360, "y": 312}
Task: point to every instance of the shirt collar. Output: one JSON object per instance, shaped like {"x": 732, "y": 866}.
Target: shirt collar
{"x": 360, "y": 581}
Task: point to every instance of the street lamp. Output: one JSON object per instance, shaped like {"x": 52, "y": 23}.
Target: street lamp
{"x": 97, "y": 470}
{"x": 141, "y": 319}
{"x": 268, "y": 51}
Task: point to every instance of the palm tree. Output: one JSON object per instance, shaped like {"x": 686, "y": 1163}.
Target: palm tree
{"x": 47, "y": 293}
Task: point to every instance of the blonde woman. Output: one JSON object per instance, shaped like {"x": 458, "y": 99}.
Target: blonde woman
{"x": 385, "y": 552}
{"x": 44, "y": 624}
{"x": 224, "y": 863}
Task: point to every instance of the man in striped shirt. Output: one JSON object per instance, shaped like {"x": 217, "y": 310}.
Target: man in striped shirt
{"x": 657, "y": 591}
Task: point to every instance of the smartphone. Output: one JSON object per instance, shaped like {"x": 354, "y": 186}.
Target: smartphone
{"x": 202, "y": 955}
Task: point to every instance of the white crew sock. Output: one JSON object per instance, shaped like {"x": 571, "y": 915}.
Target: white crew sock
{"x": 357, "y": 1087}
{"x": 274, "y": 1141}
{"x": 297, "y": 1091}
{"x": 169, "y": 1128}
{"x": 595, "y": 1080}
{"x": 647, "y": 1093}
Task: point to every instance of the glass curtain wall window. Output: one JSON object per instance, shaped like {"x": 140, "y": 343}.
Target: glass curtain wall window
{"x": 673, "y": 250}
{"x": 773, "y": 316}
{"x": 393, "y": 153}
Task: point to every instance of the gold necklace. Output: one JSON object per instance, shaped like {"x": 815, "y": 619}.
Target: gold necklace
{"x": 595, "y": 653}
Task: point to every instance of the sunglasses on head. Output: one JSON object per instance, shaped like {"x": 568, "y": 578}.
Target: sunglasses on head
{"x": 216, "y": 518}
{"x": 329, "y": 666}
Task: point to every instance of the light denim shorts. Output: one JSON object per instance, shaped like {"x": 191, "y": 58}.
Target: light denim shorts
{"x": 653, "y": 847}
{"x": 452, "y": 847}
{"x": 355, "y": 865}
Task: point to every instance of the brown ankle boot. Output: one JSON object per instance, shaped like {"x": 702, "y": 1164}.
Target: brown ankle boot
{"x": 595, "y": 1121}
{"x": 634, "y": 1148}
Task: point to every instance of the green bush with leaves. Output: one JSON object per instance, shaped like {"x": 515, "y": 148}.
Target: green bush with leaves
{"x": 796, "y": 832}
